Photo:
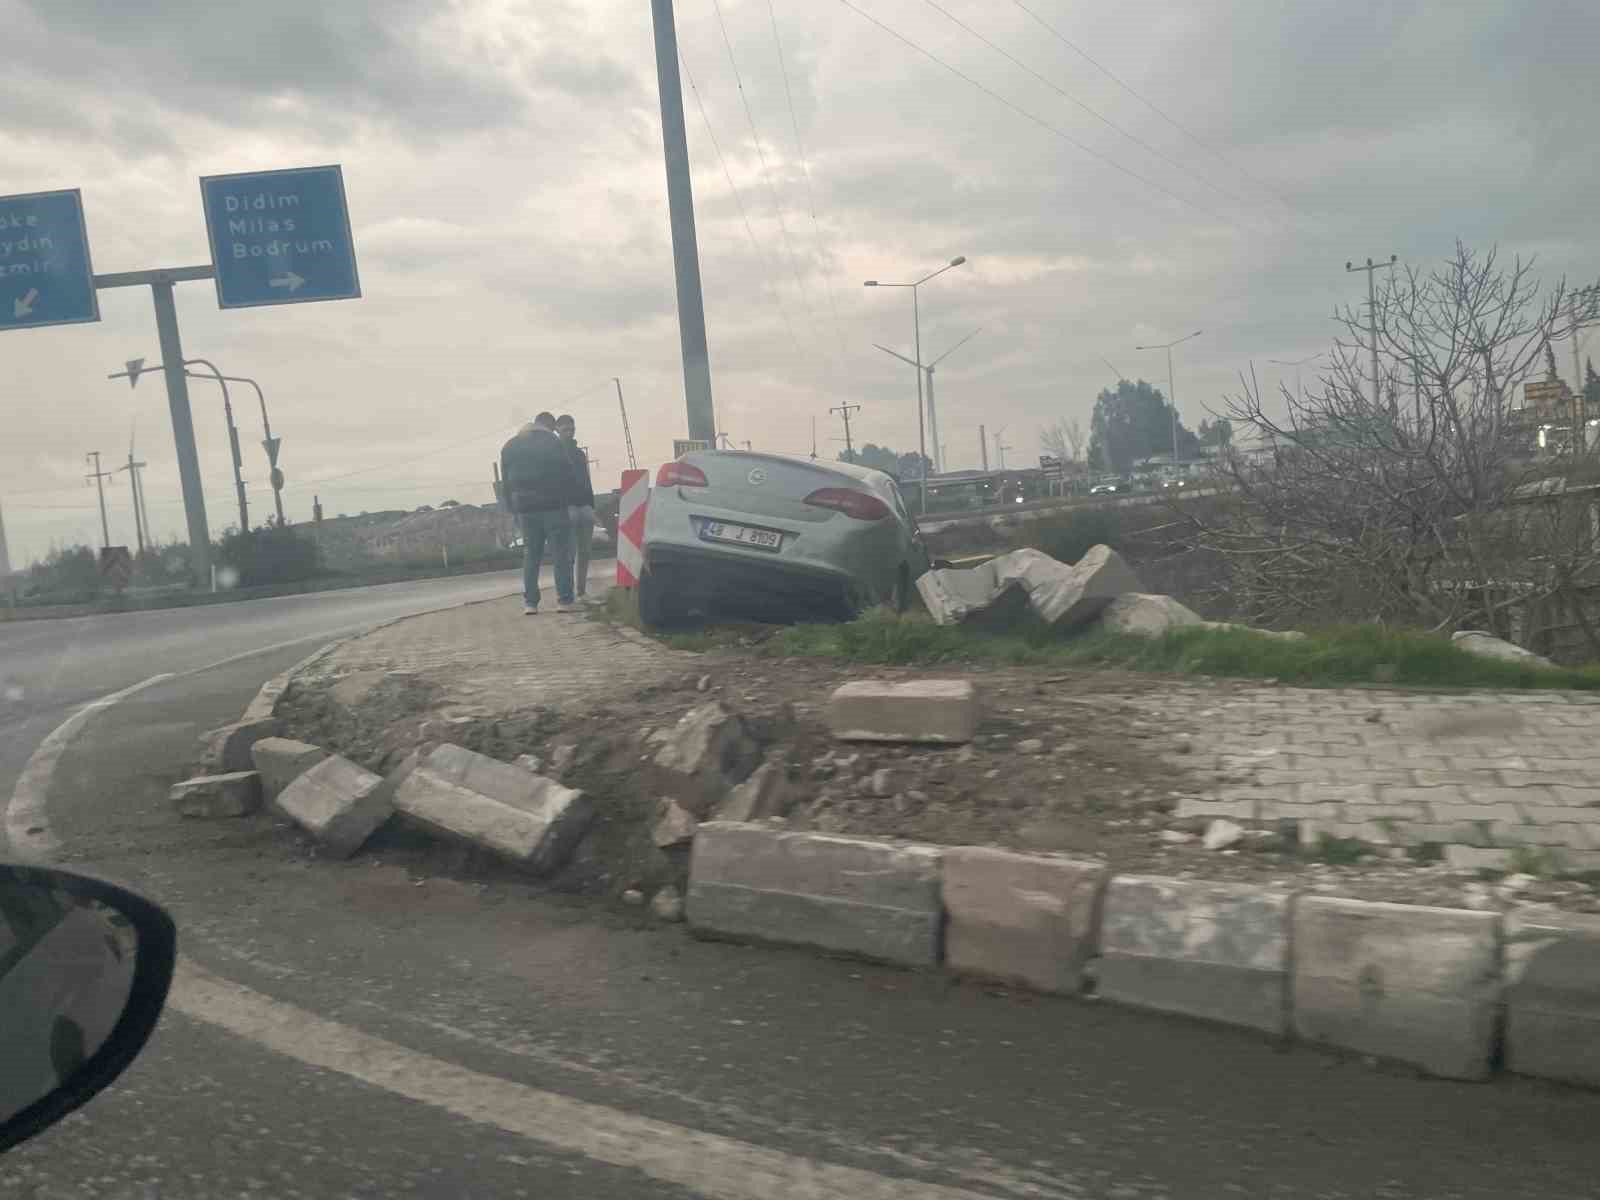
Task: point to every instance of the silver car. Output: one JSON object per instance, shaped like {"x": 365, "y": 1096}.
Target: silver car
{"x": 738, "y": 533}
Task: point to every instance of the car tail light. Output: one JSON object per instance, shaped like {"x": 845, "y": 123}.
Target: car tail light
{"x": 680, "y": 474}
{"x": 860, "y": 505}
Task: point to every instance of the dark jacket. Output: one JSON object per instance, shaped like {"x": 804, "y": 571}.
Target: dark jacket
{"x": 537, "y": 472}
{"x": 583, "y": 487}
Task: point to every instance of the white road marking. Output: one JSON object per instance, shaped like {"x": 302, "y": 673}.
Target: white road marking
{"x": 718, "y": 1167}
{"x": 27, "y": 830}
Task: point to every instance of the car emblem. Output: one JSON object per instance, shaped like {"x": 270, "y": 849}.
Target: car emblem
{"x": 757, "y": 476}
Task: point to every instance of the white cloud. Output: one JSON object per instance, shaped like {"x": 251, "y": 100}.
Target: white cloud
{"x": 503, "y": 163}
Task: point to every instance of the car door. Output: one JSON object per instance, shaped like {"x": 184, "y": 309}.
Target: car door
{"x": 917, "y": 558}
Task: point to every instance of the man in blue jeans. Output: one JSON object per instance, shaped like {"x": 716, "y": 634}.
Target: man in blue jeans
{"x": 537, "y": 475}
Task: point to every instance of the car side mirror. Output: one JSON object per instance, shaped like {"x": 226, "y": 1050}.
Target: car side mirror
{"x": 84, "y": 972}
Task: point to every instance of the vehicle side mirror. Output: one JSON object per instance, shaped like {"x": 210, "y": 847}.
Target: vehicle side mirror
{"x": 84, "y": 972}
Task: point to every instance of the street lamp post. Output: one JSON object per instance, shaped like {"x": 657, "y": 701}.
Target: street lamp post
{"x": 916, "y": 323}
{"x": 1172, "y": 391}
{"x": 270, "y": 444}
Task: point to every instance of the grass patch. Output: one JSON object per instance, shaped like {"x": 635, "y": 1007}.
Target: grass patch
{"x": 1335, "y": 656}
{"x": 1330, "y": 657}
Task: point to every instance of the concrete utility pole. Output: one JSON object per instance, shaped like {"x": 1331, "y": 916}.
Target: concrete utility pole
{"x": 1372, "y": 317}
{"x": 5, "y": 553}
{"x": 1172, "y": 389}
{"x": 983, "y": 446}
{"x": 844, "y": 410}
{"x": 99, "y": 478}
{"x": 133, "y": 469}
{"x": 160, "y": 283}
{"x": 685, "y": 250}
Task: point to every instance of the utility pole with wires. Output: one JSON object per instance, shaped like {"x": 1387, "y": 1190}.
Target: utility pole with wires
{"x": 627, "y": 435}
{"x": 1372, "y": 317}
{"x": 99, "y": 478}
{"x": 983, "y": 446}
{"x": 813, "y": 439}
{"x": 844, "y": 410}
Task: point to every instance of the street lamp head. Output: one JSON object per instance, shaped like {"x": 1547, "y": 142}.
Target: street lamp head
{"x": 958, "y": 260}
{"x": 870, "y": 283}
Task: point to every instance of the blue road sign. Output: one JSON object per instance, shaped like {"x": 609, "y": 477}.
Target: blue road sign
{"x": 45, "y": 276}
{"x": 280, "y": 237}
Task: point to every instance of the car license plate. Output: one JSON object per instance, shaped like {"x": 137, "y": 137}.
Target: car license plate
{"x": 741, "y": 535}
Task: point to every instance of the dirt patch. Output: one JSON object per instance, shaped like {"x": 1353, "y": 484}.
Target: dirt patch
{"x": 1077, "y": 762}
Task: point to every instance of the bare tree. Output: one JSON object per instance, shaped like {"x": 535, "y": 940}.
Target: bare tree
{"x": 1064, "y": 439}
{"x": 1416, "y": 497}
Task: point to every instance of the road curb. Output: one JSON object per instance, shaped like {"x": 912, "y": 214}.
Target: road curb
{"x": 1424, "y": 986}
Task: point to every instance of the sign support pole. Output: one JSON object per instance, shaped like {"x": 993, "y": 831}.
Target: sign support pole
{"x": 194, "y": 501}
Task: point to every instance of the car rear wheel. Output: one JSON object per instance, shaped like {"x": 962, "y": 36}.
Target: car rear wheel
{"x": 900, "y": 599}
{"x": 656, "y": 609}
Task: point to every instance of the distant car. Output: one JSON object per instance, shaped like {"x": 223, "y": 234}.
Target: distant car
{"x": 738, "y": 533}
{"x": 1104, "y": 489}
{"x": 1174, "y": 483}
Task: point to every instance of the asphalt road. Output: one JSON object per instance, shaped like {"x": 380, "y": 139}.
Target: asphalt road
{"x": 382, "y": 1028}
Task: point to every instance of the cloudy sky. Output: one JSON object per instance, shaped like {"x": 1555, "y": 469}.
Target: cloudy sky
{"x": 503, "y": 164}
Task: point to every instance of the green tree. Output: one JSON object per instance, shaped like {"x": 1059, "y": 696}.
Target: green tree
{"x": 271, "y": 554}
{"x": 1216, "y": 433}
{"x": 1133, "y": 422}
{"x": 880, "y": 458}
{"x": 1591, "y": 389}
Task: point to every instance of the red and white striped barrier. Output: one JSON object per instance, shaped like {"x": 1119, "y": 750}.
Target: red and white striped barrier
{"x": 630, "y": 527}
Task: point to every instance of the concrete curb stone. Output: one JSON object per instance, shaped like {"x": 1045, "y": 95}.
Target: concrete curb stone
{"x": 283, "y": 760}
{"x": 942, "y": 711}
{"x": 1403, "y": 981}
{"x": 1213, "y": 950}
{"x": 229, "y": 794}
{"x": 1552, "y": 996}
{"x": 875, "y": 899}
{"x": 336, "y": 802}
{"x": 1026, "y": 918}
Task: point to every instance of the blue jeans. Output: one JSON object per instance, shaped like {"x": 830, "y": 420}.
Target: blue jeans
{"x": 551, "y": 526}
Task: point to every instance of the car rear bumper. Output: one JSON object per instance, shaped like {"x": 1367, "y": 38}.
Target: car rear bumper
{"x": 703, "y": 577}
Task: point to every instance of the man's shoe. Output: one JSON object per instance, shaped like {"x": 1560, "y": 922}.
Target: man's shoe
{"x": 530, "y": 610}
{"x": 566, "y": 606}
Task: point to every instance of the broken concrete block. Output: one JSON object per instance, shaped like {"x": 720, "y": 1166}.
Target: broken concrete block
{"x": 1146, "y": 615}
{"x": 675, "y": 825}
{"x": 764, "y": 794}
{"x": 282, "y": 760}
{"x": 1084, "y": 591}
{"x": 872, "y": 898}
{"x": 1486, "y": 645}
{"x": 336, "y": 802}
{"x": 1283, "y": 635}
{"x": 667, "y": 904}
{"x": 704, "y": 754}
{"x": 942, "y": 711}
{"x": 227, "y": 748}
{"x": 1213, "y": 950}
{"x": 952, "y": 594}
{"x": 1024, "y": 918}
{"x": 234, "y": 794}
{"x": 1553, "y": 996}
{"x": 1401, "y": 981}
{"x": 528, "y": 818}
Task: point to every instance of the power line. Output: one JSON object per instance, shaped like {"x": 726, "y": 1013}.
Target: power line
{"x": 1109, "y": 74}
{"x": 1037, "y": 120}
{"x": 477, "y": 437}
{"x": 1068, "y": 96}
{"x": 705, "y": 119}
{"x": 766, "y": 172}
{"x": 805, "y": 170}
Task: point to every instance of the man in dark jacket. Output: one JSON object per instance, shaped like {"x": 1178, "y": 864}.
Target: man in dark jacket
{"x": 581, "y": 511}
{"x": 539, "y": 487}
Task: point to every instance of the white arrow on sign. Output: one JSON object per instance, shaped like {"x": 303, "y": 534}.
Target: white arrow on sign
{"x": 24, "y": 306}
{"x": 291, "y": 281}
